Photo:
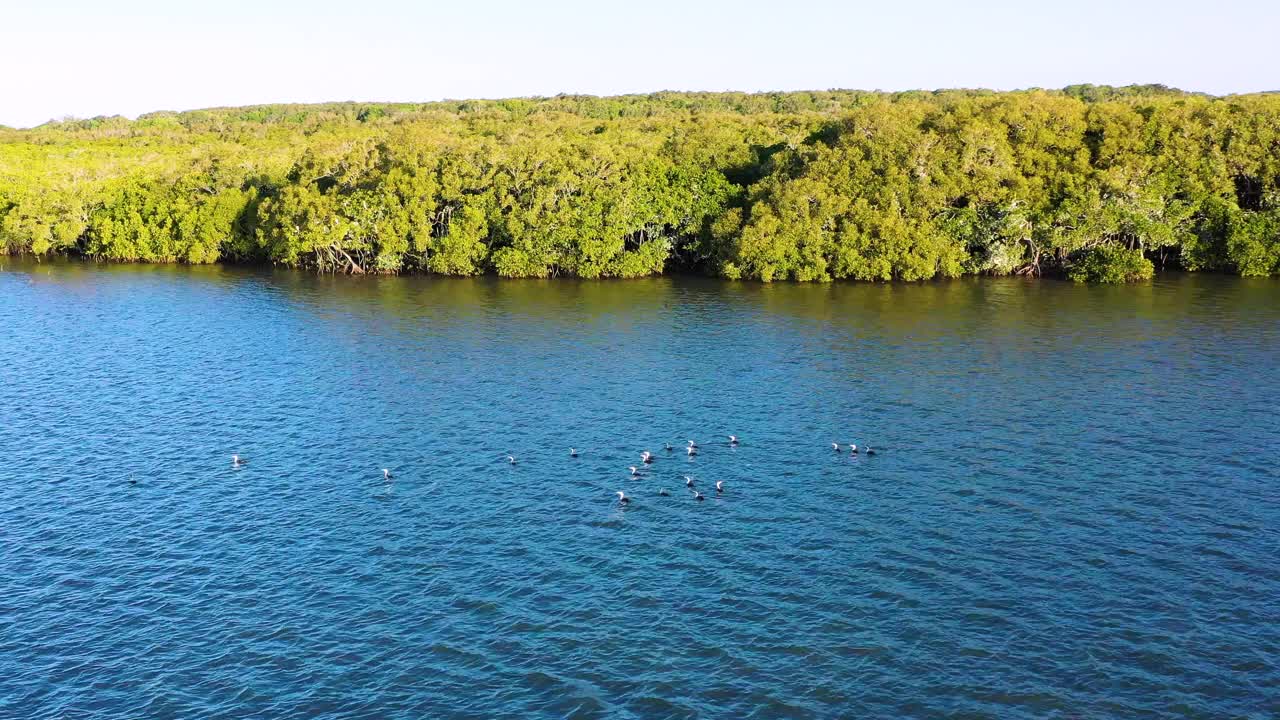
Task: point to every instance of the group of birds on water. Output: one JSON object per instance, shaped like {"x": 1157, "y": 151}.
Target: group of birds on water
{"x": 646, "y": 458}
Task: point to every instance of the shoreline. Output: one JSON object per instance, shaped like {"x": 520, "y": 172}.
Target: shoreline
{"x": 20, "y": 262}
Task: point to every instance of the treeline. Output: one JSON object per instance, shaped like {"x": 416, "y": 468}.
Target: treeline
{"x": 1094, "y": 183}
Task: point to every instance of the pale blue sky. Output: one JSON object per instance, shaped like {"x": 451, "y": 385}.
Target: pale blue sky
{"x": 97, "y": 57}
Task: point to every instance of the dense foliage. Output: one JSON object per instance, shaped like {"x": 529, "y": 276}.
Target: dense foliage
{"x": 1094, "y": 183}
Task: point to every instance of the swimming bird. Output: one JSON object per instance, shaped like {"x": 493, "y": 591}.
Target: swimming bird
{"x": 663, "y": 492}
{"x": 693, "y": 450}
{"x": 131, "y": 480}
{"x": 693, "y": 444}
{"x": 698, "y": 496}
{"x": 386, "y": 475}
{"x": 646, "y": 456}
{"x": 719, "y": 487}
{"x": 635, "y": 471}
{"x": 688, "y": 481}
{"x": 511, "y": 460}
{"x": 623, "y": 499}
{"x": 853, "y": 449}
{"x": 573, "y": 452}
{"x": 237, "y": 461}
{"x": 733, "y": 439}
{"x": 870, "y": 451}
{"x": 668, "y": 447}
{"x": 835, "y": 446}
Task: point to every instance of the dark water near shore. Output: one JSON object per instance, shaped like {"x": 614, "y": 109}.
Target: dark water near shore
{"x": 1075, "y": 511}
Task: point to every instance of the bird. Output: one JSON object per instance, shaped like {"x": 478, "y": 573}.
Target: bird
{"x": 623, "y": 499}
{"x": 693, "y": 450}
{"x": 719, "y": 487}
{"x": 853, "y": 449}
{"x": 870, "y": 451}
{"x": 635, "y": 471}
{"x": 668, "y": 447}
{"x": 693, "y": 444}
{"x": 835, "y": 446}
{"x": 733, "y": 439}
{"x": 131, "y": 480}
{"x": 386, "y": 474}
{"x": 688, "y": 481}
{"x": 663, "y": 492}
{"x": 573, "y": 452}
{"x": 511, "y": 460}
{"x": 237, "y": 461}
{"x": 646, "y": 456}
{"x": 698, "y": 496}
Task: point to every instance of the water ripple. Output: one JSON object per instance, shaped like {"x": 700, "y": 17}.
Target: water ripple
{"x": 1073, "y": 514}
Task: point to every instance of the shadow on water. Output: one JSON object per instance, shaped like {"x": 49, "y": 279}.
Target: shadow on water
{"x": 902, "y": 309}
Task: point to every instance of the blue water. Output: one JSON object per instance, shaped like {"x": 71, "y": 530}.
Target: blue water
{"x": 1074, "y": 511}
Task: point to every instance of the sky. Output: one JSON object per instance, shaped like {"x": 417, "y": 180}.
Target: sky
{"x": 82, "y": 58}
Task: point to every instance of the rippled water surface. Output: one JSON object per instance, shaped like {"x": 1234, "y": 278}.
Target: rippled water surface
{"x": 1073, "y": 512}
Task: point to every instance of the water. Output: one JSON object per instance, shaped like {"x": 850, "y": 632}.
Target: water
{"x": 1074, "y": 512}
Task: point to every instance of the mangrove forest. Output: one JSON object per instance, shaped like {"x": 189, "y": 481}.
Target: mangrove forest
{"x": 1091, "y": 183}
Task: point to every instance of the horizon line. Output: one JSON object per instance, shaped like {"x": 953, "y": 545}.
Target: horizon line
{"x": 877, "y": 91}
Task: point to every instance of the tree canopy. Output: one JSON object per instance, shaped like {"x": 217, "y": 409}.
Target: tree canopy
{"x": 1091, "y": 183}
